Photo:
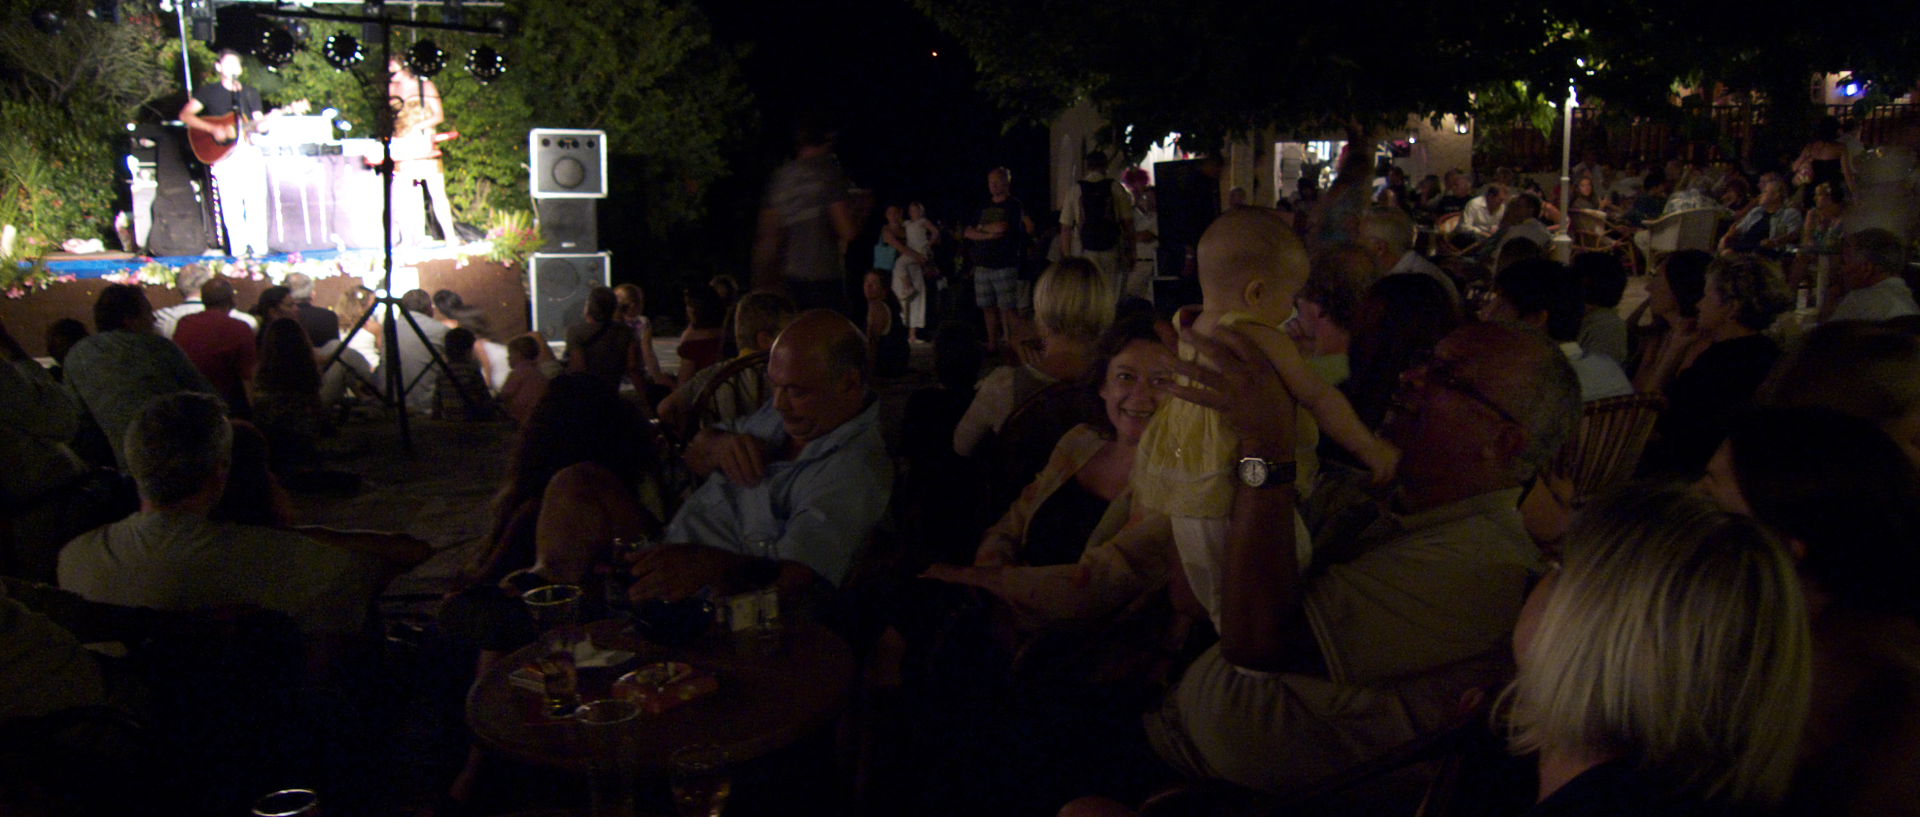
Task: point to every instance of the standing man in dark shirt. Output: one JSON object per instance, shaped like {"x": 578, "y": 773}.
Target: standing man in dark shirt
{"x": 999, "y": 239}
{"x": 241, "y": 176}
{"x": 805, "y": 225}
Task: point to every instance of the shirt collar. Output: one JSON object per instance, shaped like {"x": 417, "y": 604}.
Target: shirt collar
{"x": 834, "y": 440}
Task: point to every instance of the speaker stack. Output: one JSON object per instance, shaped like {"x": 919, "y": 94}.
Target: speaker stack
{"x": 569, "y": 175}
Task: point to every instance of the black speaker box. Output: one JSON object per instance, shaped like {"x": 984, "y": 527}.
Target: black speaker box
{"x": 1188, "y": 198}
{"x": 560, "y": 285}
{"x": 568, "y": 225}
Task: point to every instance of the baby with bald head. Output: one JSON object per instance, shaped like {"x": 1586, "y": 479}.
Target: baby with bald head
{"x": 1251, "y": 265}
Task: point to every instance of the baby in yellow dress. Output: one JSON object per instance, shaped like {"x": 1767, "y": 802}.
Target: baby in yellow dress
{"x": 1251, "y": 266}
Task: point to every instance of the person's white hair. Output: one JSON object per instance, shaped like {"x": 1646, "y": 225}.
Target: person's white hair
{"x": 1675, "y": 637}
{"x": 299, "y": 286}
{"x": 176, "y": 444}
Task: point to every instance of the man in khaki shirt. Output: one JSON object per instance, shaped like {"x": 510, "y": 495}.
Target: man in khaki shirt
{"x": 1410, "y": 598}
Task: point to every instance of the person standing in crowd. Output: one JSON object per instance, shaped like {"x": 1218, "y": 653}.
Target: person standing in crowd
{"x": 999, "y": 239}
{"x": 1095, "y": 218}
{"x": 806, "y": 222}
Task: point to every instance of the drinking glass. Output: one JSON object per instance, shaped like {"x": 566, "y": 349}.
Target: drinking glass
{"x": 702, "y": 780}
{"x": 606, "y": 733}
{"x": 556, "y": 614}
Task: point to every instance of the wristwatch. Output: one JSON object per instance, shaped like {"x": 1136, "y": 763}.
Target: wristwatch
{"x": 1258, "y": 472}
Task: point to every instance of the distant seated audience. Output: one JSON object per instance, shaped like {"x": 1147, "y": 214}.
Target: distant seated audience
{"x": 286, "y": 398}
{"x": 321, "y": 323}
{"x": 1544, "y": 295}
{"x": 1769, "y": 225}
{"x": 600, "y": 346}
{"x": 188, "y": 283}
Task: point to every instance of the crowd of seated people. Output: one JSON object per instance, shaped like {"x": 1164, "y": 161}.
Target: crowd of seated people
{"x": 1730, "y": 633}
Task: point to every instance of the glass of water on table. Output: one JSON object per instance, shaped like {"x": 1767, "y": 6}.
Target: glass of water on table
{"x": 556, "y": 615}
{"x": 702, "y": 780}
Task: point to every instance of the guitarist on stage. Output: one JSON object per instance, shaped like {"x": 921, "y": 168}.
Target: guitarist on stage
{"x": 240, "y": 176}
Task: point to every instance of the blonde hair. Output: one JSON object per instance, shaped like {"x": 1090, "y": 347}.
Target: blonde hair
{"x": 1075, "y": 299}
{"x": 353, "y": 303}
{"x": 1675, "y": 638}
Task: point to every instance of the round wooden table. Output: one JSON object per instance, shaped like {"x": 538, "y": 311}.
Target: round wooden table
{"x": 771, "y": 693}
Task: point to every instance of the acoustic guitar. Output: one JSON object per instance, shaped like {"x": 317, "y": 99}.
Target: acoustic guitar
{"x": 211, "y": 149}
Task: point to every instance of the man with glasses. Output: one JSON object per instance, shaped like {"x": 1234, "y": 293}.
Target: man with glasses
{"x": 1410, "y": 597}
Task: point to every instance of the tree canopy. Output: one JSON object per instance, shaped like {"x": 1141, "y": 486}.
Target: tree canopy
{"x": 1209, "y": 69}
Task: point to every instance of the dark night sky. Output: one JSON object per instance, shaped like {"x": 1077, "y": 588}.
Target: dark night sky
{"x": 911, "y": 123}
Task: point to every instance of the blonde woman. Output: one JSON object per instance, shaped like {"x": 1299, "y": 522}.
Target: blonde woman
{"x": 1664, "y": 667}
{"x": 1072, "y": 306}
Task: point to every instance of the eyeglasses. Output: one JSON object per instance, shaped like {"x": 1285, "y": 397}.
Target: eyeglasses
{"x": 1445, "y": 373}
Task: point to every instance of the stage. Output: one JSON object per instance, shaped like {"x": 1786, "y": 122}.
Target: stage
{"x": 497, "y": 290}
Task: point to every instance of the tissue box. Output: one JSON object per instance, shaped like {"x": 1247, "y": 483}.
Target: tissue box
{"x": 656, "y": 688}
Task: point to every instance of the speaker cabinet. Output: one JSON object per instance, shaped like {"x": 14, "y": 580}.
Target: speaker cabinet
{"x": 560, "y": 283}
{"x": 1188, "y": 197}
{"x": 567, "y": 164}
{"x": 568, "y": 225}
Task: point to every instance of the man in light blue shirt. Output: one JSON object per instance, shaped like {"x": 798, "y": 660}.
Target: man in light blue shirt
{"x": 804, "y": 480}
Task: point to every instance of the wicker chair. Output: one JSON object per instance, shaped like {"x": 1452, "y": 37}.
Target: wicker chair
{"x": 730, "y": 393}
{"x": 1606, "y": 447}
{"x": 1593, "y": 233}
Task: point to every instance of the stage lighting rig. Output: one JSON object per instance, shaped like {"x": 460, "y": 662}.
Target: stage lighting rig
{"x": 486, "y": 64}
{"x": 343, "y": 51}
{"x": 425, "y": 59}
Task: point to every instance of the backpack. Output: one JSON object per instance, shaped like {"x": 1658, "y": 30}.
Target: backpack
{"x": 1099, "y": 230}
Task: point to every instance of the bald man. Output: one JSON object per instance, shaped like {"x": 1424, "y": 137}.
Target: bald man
{"x": 803, "y": 481}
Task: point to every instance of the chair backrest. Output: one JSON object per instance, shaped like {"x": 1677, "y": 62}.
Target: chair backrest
{"x": 1445, "y": 225}
{"x": 737, "y": 389}
{"x": 1697, "y": 229}
{"x": 1606, "y": 447}
{"x": 1590, "y": 229}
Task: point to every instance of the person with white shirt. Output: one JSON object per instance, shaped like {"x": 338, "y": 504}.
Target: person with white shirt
{"x": 1484, "y": 213}
{"x": 1870, "y": 265}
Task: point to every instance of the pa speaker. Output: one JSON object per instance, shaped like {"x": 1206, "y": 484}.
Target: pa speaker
{"x": 1188, "y": 197}
{"x": 560, "y": 286}
{"x": 567, "y": 164}
{"x": 567, "y": 225}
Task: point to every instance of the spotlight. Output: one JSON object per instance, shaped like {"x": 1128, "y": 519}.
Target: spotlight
{"x": 49, "y": 21}
{"x": 1852, "y": 87}
{"x": 276, "y": 46}
{"x": 300, "y": 30}
{"x": 486, "y": 64}
{"x": 425, "y": 59}
{"x": 342, "y": 51}
{"x": 1462, "y": 125}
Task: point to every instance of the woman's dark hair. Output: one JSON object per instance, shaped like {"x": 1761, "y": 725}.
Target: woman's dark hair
{"x": 1753, "y": 287}
{"x": 1332, "y": 288}
{"x": 449, "y": 304}
{"x": 1123, "y": 333}
{"x": 580, "y": 419}
{"x": 270, "y": 299}
{"x": 1603, "y": 279}
{"x": 1686, "y": 273}
{"x": 286, "y": 360}
{"x": 1399, "y": 317}
{"x": 118, "y": 304}
{"x": 601, "y": 304}
{"x": 1843, "y": 488}
{"x": 708, "y": 311}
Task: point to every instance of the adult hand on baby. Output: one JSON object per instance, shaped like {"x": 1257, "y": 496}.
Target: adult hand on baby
{"x": 1239, "y": 382}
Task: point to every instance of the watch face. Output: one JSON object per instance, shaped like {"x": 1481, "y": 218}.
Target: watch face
{"x": 1253, "y": 471}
